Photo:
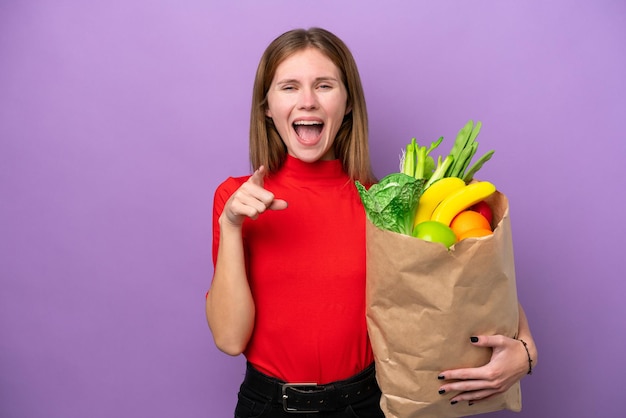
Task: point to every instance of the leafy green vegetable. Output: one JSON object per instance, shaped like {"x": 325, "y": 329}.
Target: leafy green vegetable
{"x": 463, "y": 150}
{"x": 416, "y": 161}
{"x": 391, "y": 203}
{"x": 408, "y": 159}
{"x": 440, "y": 171}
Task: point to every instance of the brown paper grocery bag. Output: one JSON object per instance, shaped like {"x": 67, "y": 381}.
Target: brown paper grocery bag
{"x": 423, "y": 305}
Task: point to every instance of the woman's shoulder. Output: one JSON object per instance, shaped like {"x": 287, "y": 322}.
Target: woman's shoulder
{"x": 233, "y": 182}
{"x": 229, "y": 185}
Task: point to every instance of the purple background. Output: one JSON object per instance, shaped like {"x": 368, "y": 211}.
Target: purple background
{"x": 118, "y": 119}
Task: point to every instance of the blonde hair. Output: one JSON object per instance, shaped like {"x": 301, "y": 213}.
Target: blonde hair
{"x": 351, "y": 144}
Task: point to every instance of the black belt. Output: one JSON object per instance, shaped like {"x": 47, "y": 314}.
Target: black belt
{"x": 311, "y": 397}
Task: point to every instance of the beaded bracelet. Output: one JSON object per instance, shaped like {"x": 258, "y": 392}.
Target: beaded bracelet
{"x": 530, "y": 360}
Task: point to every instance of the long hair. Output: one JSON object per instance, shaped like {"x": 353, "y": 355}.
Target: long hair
{"x": 351, "y": 145}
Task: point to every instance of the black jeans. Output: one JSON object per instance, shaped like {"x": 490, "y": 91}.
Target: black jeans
{"x": 254, "y": 404}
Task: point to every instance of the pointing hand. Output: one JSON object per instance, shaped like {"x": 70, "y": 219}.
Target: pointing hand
{"x": 251, "y": 199}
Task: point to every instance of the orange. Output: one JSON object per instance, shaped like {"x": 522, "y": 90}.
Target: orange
{"x": 468, "y": 220}
{"x": 475, "y": 233}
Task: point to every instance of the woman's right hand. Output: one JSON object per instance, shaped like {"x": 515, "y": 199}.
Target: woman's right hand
{"x": 250, "y": 200}
{"x": 229, "y": 304}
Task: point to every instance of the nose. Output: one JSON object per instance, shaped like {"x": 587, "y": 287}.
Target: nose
{"x": 308, "y": 99}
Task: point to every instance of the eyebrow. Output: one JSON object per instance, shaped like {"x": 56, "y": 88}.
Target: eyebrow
{"x": 296, "y": 81}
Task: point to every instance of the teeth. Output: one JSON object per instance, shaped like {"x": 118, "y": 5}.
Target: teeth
{"x": 307, "y": 122}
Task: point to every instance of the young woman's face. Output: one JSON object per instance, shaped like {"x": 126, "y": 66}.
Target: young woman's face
{"x": 307, "y": 102}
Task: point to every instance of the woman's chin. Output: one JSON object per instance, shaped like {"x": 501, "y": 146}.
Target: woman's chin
{"x": 311, "y": 152}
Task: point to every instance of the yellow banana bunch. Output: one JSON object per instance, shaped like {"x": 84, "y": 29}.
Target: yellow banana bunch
{"x": 434, "y": 195}
{"x": 460, "y": 200}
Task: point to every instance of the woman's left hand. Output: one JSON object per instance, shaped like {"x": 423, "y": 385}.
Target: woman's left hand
{"x": 508, "y": 364}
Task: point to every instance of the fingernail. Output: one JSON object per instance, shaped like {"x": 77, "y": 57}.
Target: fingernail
{"x": 453, "y": 402}
{"x": 442, "y": 391}
{"x": 474, "y": 339}
{"x": 441, "y": 377}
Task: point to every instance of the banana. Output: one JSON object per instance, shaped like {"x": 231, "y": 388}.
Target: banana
{"x": 462, "y": 199}
{"x": 433, "y": 195}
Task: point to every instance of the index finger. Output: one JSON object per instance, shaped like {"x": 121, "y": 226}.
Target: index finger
{"x": 469, "y": 373}
{"x": 258, "y": 176}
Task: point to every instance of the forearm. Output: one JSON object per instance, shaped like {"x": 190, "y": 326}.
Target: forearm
{"x": 229, "y": 304}
{"x": 525, "y": 335}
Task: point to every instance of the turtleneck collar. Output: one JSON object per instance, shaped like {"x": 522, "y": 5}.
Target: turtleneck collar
{"x": 320, "y": 170}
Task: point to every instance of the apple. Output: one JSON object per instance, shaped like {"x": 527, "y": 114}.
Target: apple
{"x": 434, "y": 231}
{"x": 483, "y": 208}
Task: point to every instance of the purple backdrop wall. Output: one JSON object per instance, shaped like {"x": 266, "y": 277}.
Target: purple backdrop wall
{"x": 119, "y": 118}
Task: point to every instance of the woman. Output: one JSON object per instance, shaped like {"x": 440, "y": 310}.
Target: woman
{"x": 289, "y": 246}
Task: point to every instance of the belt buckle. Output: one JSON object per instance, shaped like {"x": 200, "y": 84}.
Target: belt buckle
{"x": 286, "y": 397}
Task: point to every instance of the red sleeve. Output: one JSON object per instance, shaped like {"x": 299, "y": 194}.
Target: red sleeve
{"x": 222, "y": 194}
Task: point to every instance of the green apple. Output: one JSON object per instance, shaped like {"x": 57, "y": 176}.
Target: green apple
{"x": 434, "y": 231}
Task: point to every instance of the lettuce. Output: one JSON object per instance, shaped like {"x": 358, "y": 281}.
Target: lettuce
{"x": 391, "y": 203}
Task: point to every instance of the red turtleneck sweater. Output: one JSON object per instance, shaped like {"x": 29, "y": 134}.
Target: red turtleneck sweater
{"x": 306, "y": 269}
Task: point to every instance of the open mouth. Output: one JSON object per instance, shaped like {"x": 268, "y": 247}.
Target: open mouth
{"x": 308, "y": 130}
